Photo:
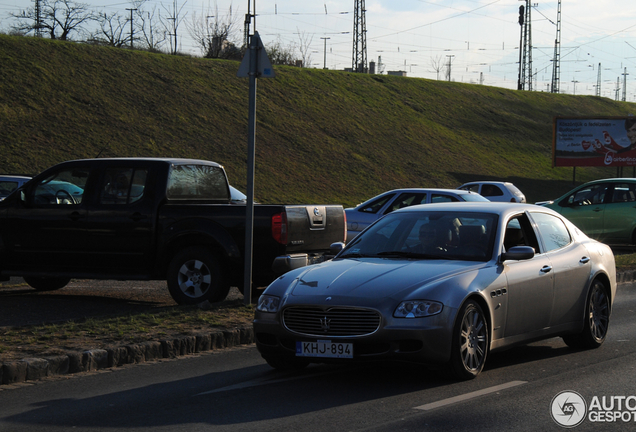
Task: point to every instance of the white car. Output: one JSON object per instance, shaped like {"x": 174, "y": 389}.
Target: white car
{"x": 10, "y": 183}
{"x": 496, "y": 191}
{"x": 363, "y": 215}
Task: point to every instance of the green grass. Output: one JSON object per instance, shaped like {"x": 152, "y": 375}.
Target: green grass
{"x": 322, "y": 136}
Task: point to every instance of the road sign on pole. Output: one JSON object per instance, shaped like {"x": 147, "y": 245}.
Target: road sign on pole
{"x": 255, "y": 64}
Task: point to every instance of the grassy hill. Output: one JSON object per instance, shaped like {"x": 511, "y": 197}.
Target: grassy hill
{"x": 322, "y": 136}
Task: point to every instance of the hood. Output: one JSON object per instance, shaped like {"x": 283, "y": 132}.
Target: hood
{"x": 374, "y": 277}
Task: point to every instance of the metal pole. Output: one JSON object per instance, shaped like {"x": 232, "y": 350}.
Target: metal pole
{"x": 325, "y": 51}
{"x": 251, "y": 145}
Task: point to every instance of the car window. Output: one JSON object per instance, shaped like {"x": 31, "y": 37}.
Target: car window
{"x": 440, "y": 198}
{"x": 407, "y": 199}
{"x": 428, "y": 235}
{"x": 553, "y": 231}
{"x": 624, "y": 192}
{"x": 6, "y": 187}
{"x": 375, "y": 205}
{"x": 64, "y": 187}
{"x": 471, "y": 187}
{"x": 594, "y": 194}
{"x": 519, "y": 232}
{"x": 197, "y": 182}
{"x": 122, "y": 185}
{"x": 491, "y": 190}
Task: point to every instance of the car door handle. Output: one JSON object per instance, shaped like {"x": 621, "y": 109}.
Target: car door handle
{"x": 75, "y": 216}
{"x": 138, "y": 216}
{"x": 585, "y": 260}
{"x": 546, "y": 269}
{"x": 598, "y": 209}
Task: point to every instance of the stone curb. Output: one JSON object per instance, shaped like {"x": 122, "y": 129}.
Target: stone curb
{"x": 33, "y": 369}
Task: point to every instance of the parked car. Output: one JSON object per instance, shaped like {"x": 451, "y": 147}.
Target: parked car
{"x": 602, "y": 209}
{"x": 442, "y": 283}
{"x": 496, "y": 191}
{"x": 154, "y": 219}
{"x": 10, "y": 183}
{"x": 363, "y": 215}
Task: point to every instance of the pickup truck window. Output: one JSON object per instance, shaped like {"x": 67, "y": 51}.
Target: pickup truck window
{"x": 198, "y": 182}
{"x": 122, "y": 186}
{"x": 63, "y": 187}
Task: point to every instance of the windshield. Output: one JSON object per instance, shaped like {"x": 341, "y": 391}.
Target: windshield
{"x": 474, "y": 197}
{"x": 427, "y": 235}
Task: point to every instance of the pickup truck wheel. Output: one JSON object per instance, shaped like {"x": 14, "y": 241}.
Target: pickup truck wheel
{"x": 194, "y": 275}
{"x": 47, "y": 283}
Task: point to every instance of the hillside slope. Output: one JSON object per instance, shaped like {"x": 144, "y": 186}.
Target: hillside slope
{"x": 322, "y": 136}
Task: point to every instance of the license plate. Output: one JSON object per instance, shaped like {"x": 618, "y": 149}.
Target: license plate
{"x": 324, "y": 348}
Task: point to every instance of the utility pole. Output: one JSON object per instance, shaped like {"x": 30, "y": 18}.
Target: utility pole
{"x": 131, "y": 26}
{"x": 248, "y": 19}
{"x": 359, "y": 61}
{"x": 448, "y": 67}
{"x": 525, "y": 47}
{"x": 38, "y": 19}
{"x": 598, "y": 81}
{"x": 556, "y": 71}
{"x": 325, "y": 51}
{"x": 624, "y": 99}
{"x": 574, "y": 88}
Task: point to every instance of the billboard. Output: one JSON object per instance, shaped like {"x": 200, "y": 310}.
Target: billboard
{"x": 601, "y": 141}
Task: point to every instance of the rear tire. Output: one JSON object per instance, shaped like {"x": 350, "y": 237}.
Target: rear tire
{"x": 47, "y": 283}
{"x": 194, "y": 275}
{"x": 595, "y": 320}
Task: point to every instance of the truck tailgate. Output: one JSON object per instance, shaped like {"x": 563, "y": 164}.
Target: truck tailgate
{"x": 314, "y": 227}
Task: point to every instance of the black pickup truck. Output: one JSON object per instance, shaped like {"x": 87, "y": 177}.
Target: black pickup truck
{"x": 154, "y": 219}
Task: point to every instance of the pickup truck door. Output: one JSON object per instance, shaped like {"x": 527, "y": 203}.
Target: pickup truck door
{"x": 121, "y": 221}
{"x": 47, "y": 222}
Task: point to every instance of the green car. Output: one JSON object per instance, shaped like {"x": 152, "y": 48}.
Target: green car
{"x": 605, "y": 209}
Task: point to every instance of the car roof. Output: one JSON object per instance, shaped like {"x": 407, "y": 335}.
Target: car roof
{"x": 453, "y": 191}
{"x": 500, "y": 208}
{"x": 175, "y": 161}
{"x": 13, "y": 178}
{"x": 611, "y": 180}
{"x": 487, "y": 182}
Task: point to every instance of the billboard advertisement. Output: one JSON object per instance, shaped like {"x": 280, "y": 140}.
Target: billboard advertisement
{"x": 580, "y": 141}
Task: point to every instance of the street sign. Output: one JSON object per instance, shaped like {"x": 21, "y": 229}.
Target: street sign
{"x": 264, "y": 65}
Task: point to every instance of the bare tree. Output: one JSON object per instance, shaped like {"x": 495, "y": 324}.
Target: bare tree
{"x": 113, "y": 30}
{"x": 281, "y": 55}
{"x": 437, "y": 65}
{"x": 174, "y": 19}
{"x": 215, "y": 35}
{"x": 152, "y": 28}
{"x": 58, "y": 18}
{"x": 304, "y": 47}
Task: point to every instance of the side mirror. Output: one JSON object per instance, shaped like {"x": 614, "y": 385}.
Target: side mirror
{"x": 335, "y": 248}
{"x": 518, "y": 253}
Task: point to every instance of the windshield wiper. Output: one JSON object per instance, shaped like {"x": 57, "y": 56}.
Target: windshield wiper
{"x": 406, "y": 254}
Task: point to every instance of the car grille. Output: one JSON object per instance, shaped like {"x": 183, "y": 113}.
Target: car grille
{"x": 331, "y": 322}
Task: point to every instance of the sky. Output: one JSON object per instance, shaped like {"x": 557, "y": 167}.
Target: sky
{"x": 480, "y": 38}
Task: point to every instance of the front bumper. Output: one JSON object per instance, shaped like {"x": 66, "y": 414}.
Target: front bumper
{"x": 420, "y": 340}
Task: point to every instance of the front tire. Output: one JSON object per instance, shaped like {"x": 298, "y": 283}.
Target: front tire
{"x": 470, "y": 342}
{"x": 194, "y": 275}
{"x": 46, "y": 283}
{"x": 595, "y": 321}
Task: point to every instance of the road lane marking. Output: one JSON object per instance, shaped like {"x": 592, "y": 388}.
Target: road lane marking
{"x": 467, "y": 396}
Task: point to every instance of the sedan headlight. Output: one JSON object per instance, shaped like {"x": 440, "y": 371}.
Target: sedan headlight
{"x": 268, "y": 303}
{"x": 417, "y": 309}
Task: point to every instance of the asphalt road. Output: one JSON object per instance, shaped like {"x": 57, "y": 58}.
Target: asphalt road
{"x": 234, "y": 390}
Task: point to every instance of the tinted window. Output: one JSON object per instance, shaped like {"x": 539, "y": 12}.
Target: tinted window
{"x": 407, "y": 199}
{"x": 61, "y": 188}
{"x": 6, "y": 187}
{"x": 491, "y": 190}
{"x": 624, "y": 192}
{"x": 197, "y": 182}
{"x": 440, "y": 198}
{"x": 594, "y": 194}
{"x": 122, "y": 186}
{"x": 375, "y": 205}
{"x": 553, "y": 231}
